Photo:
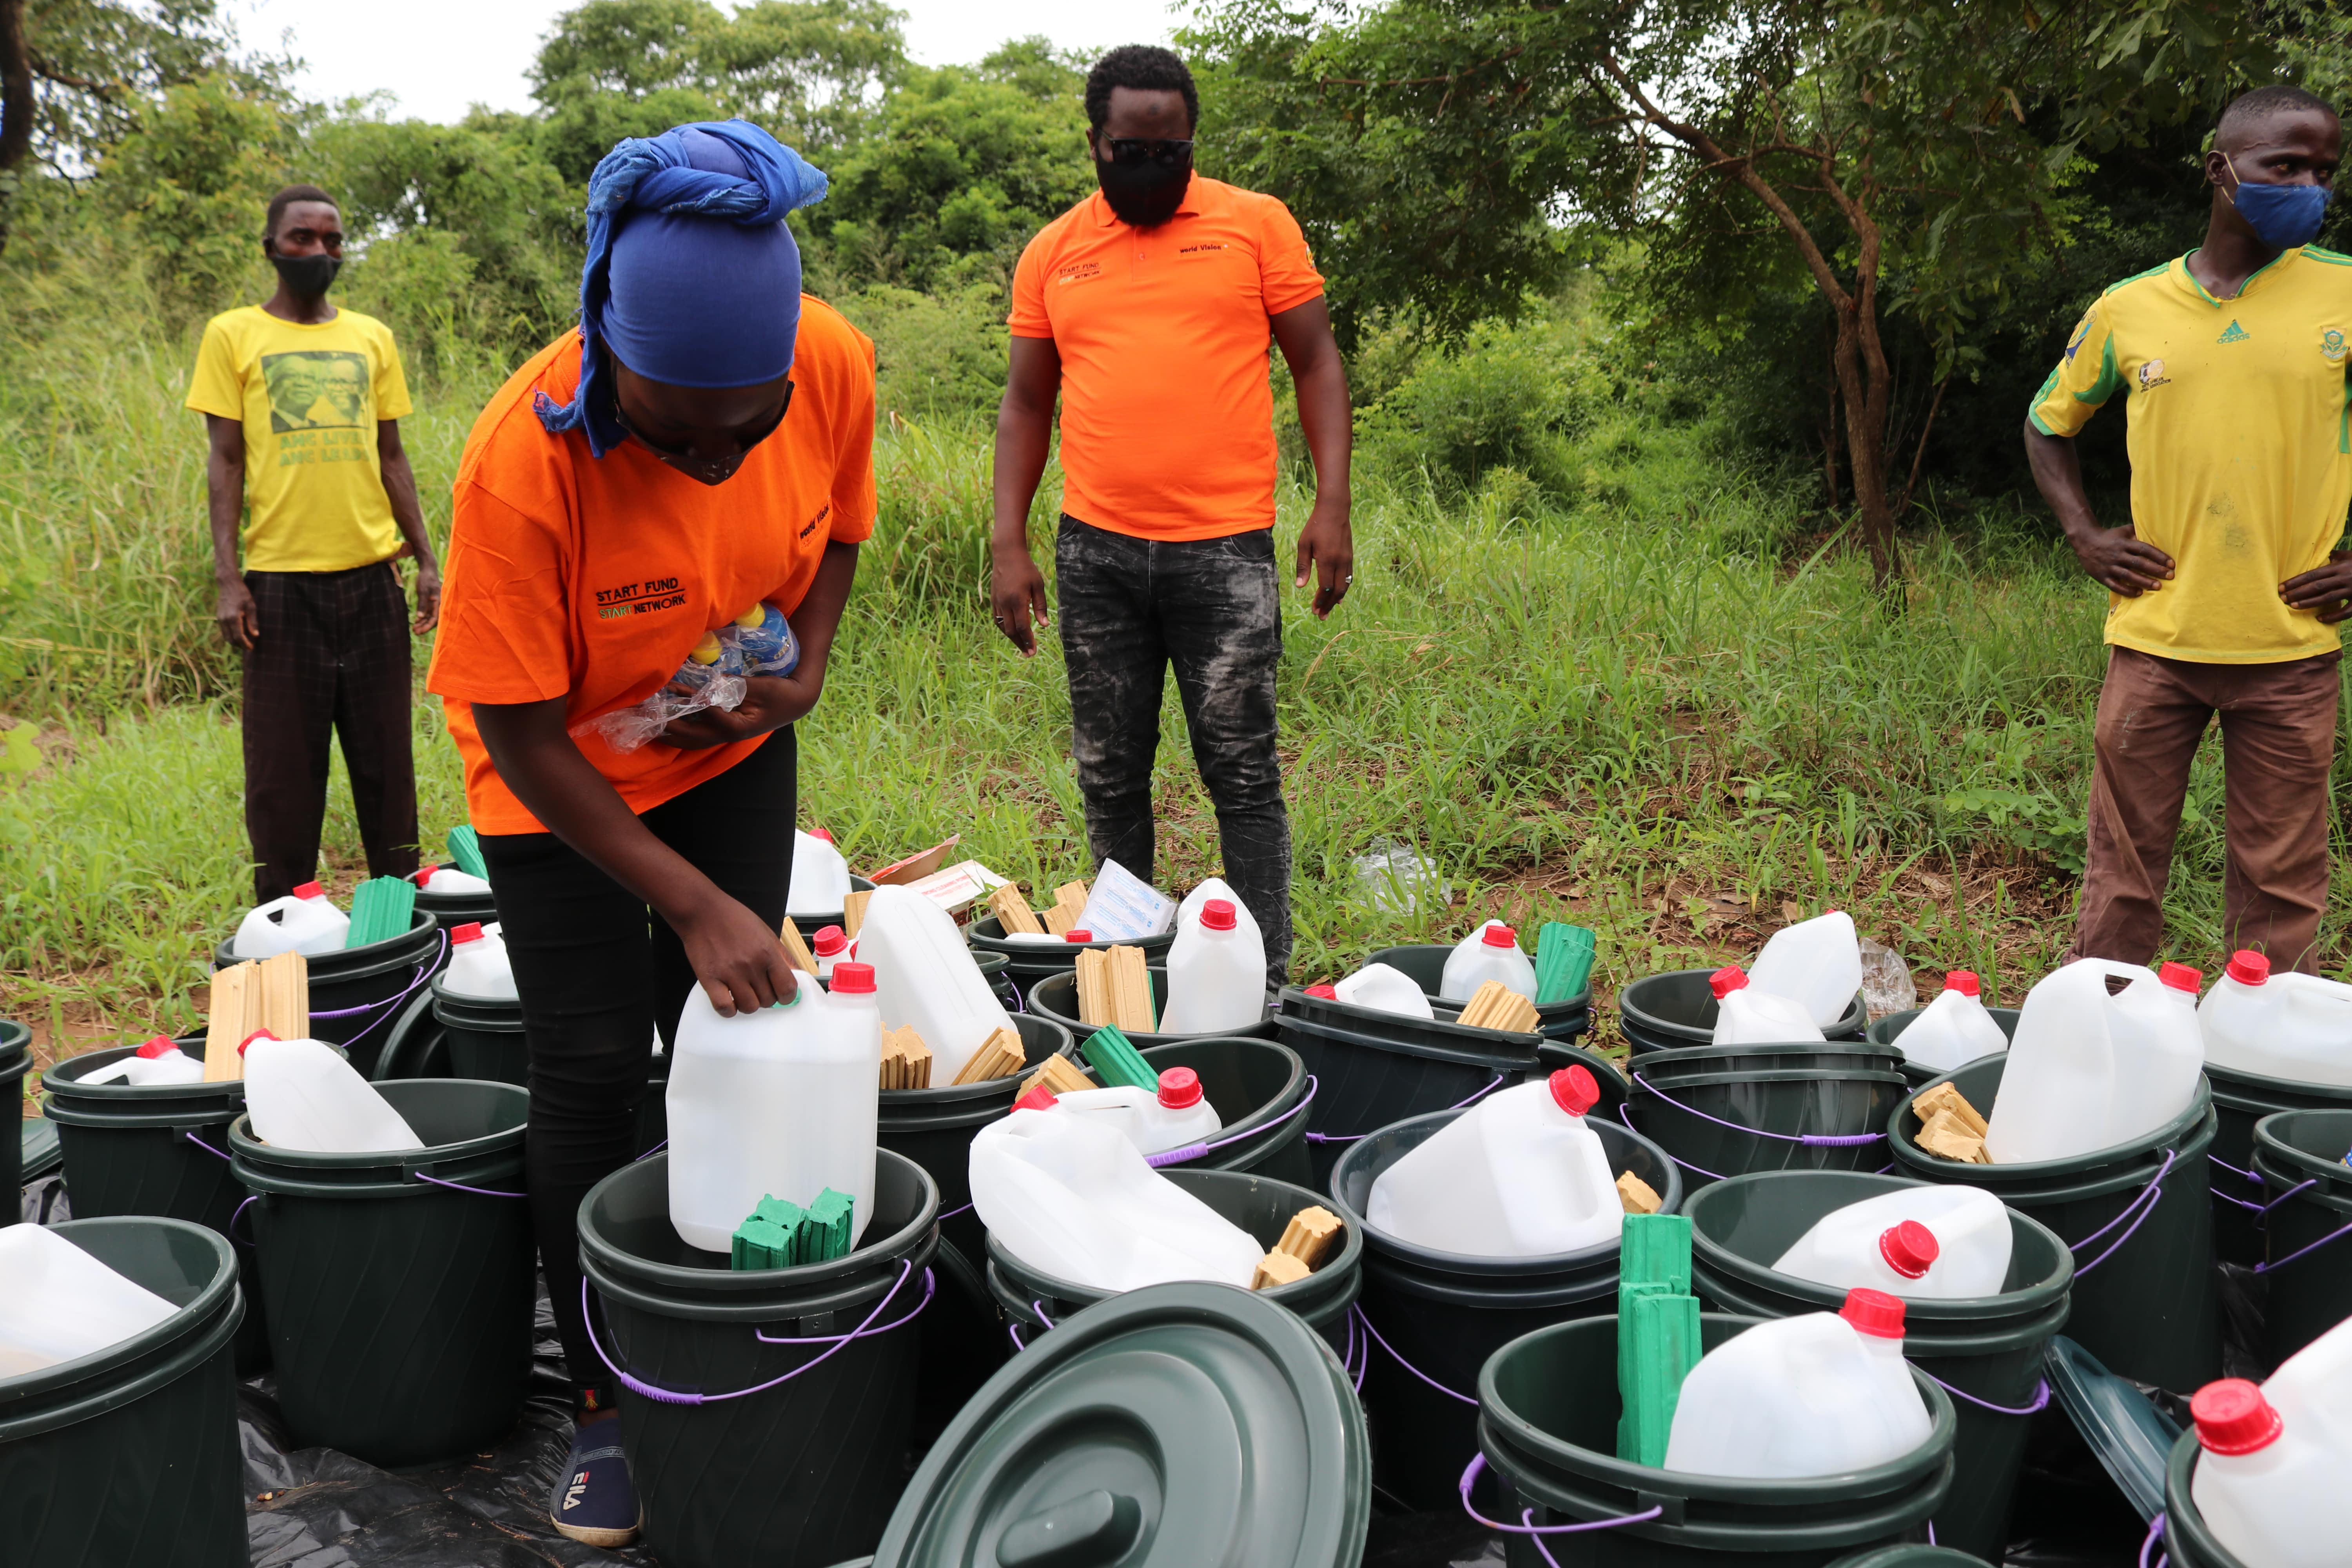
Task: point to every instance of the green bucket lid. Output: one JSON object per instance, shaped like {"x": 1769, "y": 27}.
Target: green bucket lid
{"x": 1167, "y": 1428}
{"x": 1909, "y": 1557}
{"x": 2132, "y": 1439}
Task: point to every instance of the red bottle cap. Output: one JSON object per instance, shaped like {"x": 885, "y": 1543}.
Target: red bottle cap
{"x": 1324, "y": 992}
{"x": 831, "y": 942}
{"x": 1908, "y": 1248}
{"x": 1727, "y": 980}
{"x": 821, "y": 835}
{"x": 423, "y": 875}
{"x": 1078, "y": 934}
{"x": 470, "y": 932}
{"x": 157, "y": 1046}
{"x": 2232, "y": 1417}
{"x": 1180, "y": 1087}
{"x": 2247, "y": 967}
{"x": 1873, "y": 1312}
{"x": 1964, "y": 981}
{"x": 1217, "y": 914}
{"x": 310, "y": 890}
{"x": 1498, "y": 934}
{"x": 1038, "y": 1099}
{"x": 257, "y": 1034}
{"x": 852, "y": 980}
{"x": 2181, "y": 977}
{"x": 1573, "y": 1090}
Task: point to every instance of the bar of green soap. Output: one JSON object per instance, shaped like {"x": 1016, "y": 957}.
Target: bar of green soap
{"x": 1628, "y": 1382}
{"x": 825, "y": 1234}
{"x": 466, "y": 849}
{"x": 760, "y": 1244}
{"x": 1656, "y": 1247}
{"x": 1665, "y": 1335}
{"x": 1116, "y": 1061}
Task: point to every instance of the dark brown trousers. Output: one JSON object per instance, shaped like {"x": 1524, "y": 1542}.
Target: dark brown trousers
{"x": 332, "y": 660}
{"x": 2278, "y": 741}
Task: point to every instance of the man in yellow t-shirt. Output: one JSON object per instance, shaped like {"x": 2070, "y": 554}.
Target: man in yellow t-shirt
{"x": 2226, "y": 584}
{"x": 303, "y": 404}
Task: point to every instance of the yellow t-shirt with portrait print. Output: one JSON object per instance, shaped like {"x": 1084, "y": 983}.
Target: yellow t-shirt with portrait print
{"x": 2239, "y": 426}
{"x": 308, "y": 396}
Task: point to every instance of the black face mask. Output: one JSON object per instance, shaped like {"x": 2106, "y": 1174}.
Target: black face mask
{"x": 307, "y": 276}
{"x": 1145, "y": 194}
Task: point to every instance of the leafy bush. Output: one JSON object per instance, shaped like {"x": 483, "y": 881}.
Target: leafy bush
{"x": 1509, "y": 397}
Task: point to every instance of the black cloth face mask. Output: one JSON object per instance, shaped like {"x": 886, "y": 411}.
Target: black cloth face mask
{"x": 1146, "y": 194}
{"x": 307, "y": 276}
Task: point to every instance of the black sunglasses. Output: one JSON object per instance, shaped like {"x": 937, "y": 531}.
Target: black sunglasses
{"x": 1145, "y": 150}
{"x": 709, "y": 471}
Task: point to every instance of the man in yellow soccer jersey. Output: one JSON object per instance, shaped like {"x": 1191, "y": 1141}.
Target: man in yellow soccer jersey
{"x": 2226, "y": 584}
{"x": 303, "y": 403}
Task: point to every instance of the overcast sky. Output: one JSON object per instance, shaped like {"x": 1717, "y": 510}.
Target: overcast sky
{"x": 439, "y": 56}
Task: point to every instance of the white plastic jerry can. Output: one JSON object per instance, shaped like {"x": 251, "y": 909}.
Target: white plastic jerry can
{"x": 1070, "y": 1197}
{"x": 160, "y": 1061}
{"x": 1745, "y": 1015}
{"x": 301, "y": 1094}
{"x": 1216, "y": 973}
{"x": 2089, "y": 1071}
{"x": 57, "y": 1303}
{"x": 305, "y": 922}
{"x": 2267, "y": 1488}
{"x": 1816, "y": 963}
{"x": 1177, "y": 1114}
{"x": 1518, "y": 1175}
{"x": 1954, "y": 1028}
{"x": 1386, "y": 988}
{"x": 448, "y": 879}
{"x": 926, "y": 979}
{"x": 2281, "y": 1026}
{"x": 829, "y": 946}
{"x": 2180, "y": 983}
{"x": 820, "y": 884}
{"x": 1817, "y": 1395}
{"x": 1927, "y": 1244}
{"x": 478, "y": 966}
{"x": 1490, "y": 952}
{"x": 779, "y": 1102}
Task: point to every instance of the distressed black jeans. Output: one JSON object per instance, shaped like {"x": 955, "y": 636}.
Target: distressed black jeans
{"x": 1211, "y": 607}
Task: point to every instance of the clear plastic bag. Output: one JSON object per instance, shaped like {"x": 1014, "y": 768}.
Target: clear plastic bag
{"x": 712, "y": 676}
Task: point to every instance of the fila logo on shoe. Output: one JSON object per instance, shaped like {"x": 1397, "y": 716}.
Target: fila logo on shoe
{"x": 571, "y": 1495}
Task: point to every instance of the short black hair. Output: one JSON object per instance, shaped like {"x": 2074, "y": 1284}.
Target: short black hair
{"x": 286, "y": 198}
{"x": 1145, "y": 68}
{"x": 2249, "y": 110}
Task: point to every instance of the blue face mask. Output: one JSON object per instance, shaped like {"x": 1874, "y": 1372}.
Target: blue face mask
{"x": 2282, "y": 216}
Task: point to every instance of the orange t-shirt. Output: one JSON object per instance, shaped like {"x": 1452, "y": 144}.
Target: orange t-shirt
{"x": 592, "y": 578}
{"x": 1167, "y": 412}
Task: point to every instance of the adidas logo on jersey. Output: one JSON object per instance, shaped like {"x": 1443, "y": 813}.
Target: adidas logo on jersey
{"x": 2236, "y": 334}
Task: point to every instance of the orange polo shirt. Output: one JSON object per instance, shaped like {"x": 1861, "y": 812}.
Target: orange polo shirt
{"x": 592, "y": 578}
{"x": 1167, "y": 412}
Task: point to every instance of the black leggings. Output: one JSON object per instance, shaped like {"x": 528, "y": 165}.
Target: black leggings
{"x": 598, "y": 973}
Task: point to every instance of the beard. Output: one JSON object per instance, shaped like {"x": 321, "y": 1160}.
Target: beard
{"x": 1144, "y": 194}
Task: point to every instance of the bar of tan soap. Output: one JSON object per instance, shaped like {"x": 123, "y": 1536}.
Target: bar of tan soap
{"x": 1636, "y": 1195}
{"x": 1279, "y": 1269}
{"x": 1309, "y": 1235}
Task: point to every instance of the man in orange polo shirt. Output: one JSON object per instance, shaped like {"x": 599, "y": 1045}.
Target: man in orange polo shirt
{"x": 1148, "y": 307}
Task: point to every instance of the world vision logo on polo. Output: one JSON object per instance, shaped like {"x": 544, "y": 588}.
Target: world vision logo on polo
{"x": 2331, "y": 345}
{"x": 2236, "y": 334}
{"x": 2151, "y": 376}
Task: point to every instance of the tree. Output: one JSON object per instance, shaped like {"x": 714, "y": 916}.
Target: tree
{"x": 1902, "y": 146}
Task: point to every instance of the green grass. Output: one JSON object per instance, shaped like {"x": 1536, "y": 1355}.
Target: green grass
{"x": 1640, "y": 706}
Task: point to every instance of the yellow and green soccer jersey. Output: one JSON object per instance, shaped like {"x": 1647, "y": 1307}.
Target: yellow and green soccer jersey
{"x": 310, "y": 396}
{"x": 2240, "y": 448}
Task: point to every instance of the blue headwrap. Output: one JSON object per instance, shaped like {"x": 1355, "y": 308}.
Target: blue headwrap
{"x": 692, "y": 274}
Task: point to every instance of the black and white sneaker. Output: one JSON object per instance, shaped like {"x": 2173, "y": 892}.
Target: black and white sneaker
{"x": 594, "y": 1502}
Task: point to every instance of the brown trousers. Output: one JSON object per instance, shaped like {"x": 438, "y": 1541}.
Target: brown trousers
{"x": 2278, "y": 741}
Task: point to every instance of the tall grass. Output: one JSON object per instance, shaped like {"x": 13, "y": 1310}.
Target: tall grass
{"x": 1621, "y": 699}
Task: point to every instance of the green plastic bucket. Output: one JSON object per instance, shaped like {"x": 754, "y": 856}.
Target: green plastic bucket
{"x": 1036, "y": 1301}
{"x": 1182, "y": 1426}
{"x": 416, "y": 1046}
{"x": 400, "y": 1308}
{"x": 450, "y": 910}
{"x": 2187, "y": 1541}
{"x": 158, "y": 1150}
{"x": 962, "y": 1342}
{"x": 1056, "y": 997}
{"x": 1659, "y": 1012}
{"x": 1985, "y": 1351}
{"x": 2145, "y": 1299}
{"x": 1423, "y": 963}
{"x": 1373, "y": 1068}
{"x": 15, "y": 1061}
{"x": 2309, "y": 1265}
{"x": 1548, "y": 1425}
{"x": 732, "y": 1465}
{"x": 1887, "y": 1031}
{"x": 356, "y": 993}
{"x": 1910, "y": 1557}
{"x": 1027, "y": 963}
{"x": 1729, "y": 1110}
{"x": 2241, "y": 1099}
{"x": 484, "y": 1036}
{"x": 130, "y": 1456}
{"x": 1443, "y": 1314}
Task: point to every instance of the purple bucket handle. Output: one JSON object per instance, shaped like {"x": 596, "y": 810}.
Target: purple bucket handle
{"x": 1357, "y": 1313}
{"x": 1528, "y": 1526}
{"x": 1810, "y": 1140}
{"x": 2041, "y": 1398}
{"x": 2148, "y": 1544}
{"x": 1358, "y": 1137}
{"x": 455, "y": 1187}
{"x": 1677, "y": 1159}
{"x": 863, "y": 1330}
{"x": 388, "y": 1009}
{"x": 2144, "y": 1201}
